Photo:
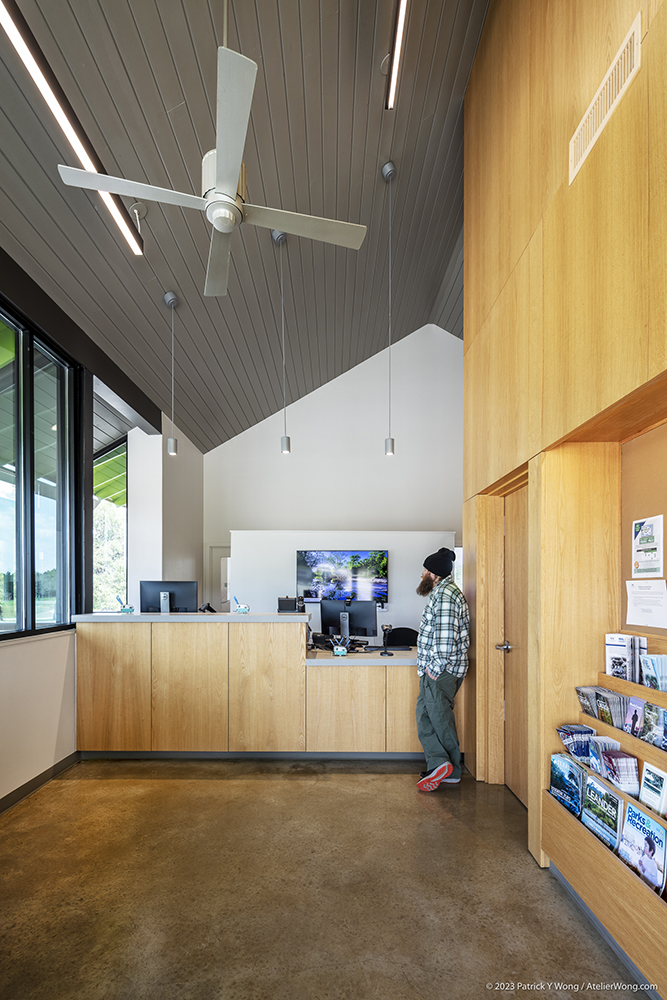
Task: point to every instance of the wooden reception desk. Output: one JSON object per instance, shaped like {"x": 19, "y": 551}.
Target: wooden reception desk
{"x": 235, "y": 683}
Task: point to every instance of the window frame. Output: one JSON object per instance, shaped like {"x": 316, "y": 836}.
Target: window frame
{"x": 71, "y": 404}
{"x": 106, "y": 450}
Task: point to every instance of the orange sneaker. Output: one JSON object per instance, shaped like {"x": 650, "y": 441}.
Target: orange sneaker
{"x": 432, "y": 779}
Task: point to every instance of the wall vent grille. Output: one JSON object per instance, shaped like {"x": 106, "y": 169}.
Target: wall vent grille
{"x": 618, "y": 78}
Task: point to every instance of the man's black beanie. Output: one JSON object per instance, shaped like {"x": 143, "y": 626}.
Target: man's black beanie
{"x": 440, "y": 563}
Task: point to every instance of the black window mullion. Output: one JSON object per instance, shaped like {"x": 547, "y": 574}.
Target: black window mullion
{"x": 81, "y": 442}
{"x": 26, "y": 479}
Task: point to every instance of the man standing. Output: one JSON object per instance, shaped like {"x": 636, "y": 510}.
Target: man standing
{"x": 442, "y": 661}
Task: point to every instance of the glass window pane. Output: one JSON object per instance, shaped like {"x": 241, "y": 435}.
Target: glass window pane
{"x": 110, "y": 529}
{"x": 9, "y": 502}
{"x": 51, "y": 491}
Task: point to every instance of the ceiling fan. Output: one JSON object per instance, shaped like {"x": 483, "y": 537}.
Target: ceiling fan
{"x": 223, "y": 181}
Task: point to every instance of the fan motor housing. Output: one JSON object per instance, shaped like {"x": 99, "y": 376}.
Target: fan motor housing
{"x": 208, "y": 165}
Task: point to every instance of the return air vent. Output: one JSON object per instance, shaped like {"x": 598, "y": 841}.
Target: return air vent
{"x": 617, "y": 80}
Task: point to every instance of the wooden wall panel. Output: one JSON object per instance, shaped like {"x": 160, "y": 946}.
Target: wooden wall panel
{"x": 572, "y": 45}
{"x": 346, "y": 708}
{"x": 655, "y": 53}
{"x": 497, "y": 219}
{"x": 190, "y": 705}
{"x": 579, "y": 496}
{"x": 480, "y": 701}
{"x": 466, "y": 700}
{"x": 402, "y": 691}
{"x": 113, "y": 677}
{"x": 503, "y": 379}
{"x": 267, "y": 677}
{"x": 595, "y": 275}
{"x": 654, "y": 7}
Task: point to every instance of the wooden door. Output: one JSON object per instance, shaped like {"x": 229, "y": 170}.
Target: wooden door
{"x": 516, "y": 634}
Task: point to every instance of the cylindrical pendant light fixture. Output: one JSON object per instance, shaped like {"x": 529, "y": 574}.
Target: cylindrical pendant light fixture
{"x": 171, "y": 300}
{"x": 280, "y": 238}
{"x": 389, "y": 172}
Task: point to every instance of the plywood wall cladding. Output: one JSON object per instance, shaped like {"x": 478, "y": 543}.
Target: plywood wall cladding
{"x": 497, "y": 221}
{"x": 503, "y": 378}
{"x": 596, "y": 290}
{"x": 574, "y": 506}
{"x": 572, "y": 45}
{"x": 601, "y": 280}
{"x": 654, "y": 54}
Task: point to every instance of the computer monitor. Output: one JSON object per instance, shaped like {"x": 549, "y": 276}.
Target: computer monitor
{"x": 182, "y": 595}
{"x": 363, "y": 617}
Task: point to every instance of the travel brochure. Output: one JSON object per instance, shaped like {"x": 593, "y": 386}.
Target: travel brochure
{"x": 654, "y": 671}
{"x": 581, "y": 778}
{"x": 642, "y": 847}
{"x": 602, "y": 812}
{"x": 623, "y": 654}
{"x": 653, "y": 791}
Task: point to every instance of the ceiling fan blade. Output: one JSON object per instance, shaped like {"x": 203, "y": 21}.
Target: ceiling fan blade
{"x": 236, "y": 84}
{"x": 217, "y": 271}
{"x": 133, "y": 189}
{"x": 342, "y": 234}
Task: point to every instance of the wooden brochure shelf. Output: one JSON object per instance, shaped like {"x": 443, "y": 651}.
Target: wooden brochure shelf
{"x": 631, "y": 912}
{"x": 630, "y": 744}
{"x": 633, "y": 690}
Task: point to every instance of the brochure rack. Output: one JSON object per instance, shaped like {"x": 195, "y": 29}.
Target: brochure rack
{"x": 633, "y": 914}
{"x": 630, "y": 911}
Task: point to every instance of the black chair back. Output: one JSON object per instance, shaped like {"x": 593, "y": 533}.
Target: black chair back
{"x": 402, "y": 637}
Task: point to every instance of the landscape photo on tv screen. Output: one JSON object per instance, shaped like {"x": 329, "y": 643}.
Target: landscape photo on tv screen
{"x": 339, "y": 575}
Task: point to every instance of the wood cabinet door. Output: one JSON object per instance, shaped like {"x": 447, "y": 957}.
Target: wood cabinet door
{"x": 402, "y": 691}
{"x": 190, "y": 686}
{"x": 113, "y": 684}
{"x": 346, "y": 708}
{"x": 267, "y": 686}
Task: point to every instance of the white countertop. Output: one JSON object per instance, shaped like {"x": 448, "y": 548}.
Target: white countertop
{"x": 119, "y": 616}
{"x": 401, "y": 658}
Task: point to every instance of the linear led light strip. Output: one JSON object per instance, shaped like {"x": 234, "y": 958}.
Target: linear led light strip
{"x": 398, "y": 46}
{"x": 45, "y": 90}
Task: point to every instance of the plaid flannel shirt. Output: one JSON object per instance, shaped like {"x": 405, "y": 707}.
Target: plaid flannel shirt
{"x": 443, "y": 632}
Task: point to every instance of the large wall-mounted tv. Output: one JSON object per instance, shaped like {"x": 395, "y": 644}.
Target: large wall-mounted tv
{"x": 360, "y": 575}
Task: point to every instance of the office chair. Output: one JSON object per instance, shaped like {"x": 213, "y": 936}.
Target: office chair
{"x": 402, "y": 637}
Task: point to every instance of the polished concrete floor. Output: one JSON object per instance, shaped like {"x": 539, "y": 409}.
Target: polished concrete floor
{"x": 209, "y": 880}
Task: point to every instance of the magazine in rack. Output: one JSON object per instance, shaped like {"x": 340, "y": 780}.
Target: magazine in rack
{"x": 642, "y": 847}
{"x": 602, "y": 812}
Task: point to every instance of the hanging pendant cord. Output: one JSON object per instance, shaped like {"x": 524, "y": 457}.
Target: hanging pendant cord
{"x": 389, "y": 393}
{"x": 282, "y": 313}
{"x": 225, "y": 24}
{"x": 172, "y": 371}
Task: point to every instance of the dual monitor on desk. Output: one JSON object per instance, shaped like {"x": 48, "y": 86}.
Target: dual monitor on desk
{"x": 359, "y": 618}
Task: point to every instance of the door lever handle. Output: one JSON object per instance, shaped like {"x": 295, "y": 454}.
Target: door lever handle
{"x": 505, "y": 647}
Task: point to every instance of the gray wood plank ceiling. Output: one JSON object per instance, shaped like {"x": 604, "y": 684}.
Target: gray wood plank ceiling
{"x": 140, "y": 75}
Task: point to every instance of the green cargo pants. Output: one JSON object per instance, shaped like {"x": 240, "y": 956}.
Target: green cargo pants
{"x": 436, "y": 726}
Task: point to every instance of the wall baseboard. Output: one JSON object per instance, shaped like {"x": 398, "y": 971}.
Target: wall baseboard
{"x": 247, "y": 755}
{"x": 9, "y": 800}
{"x": 602, "y": 930}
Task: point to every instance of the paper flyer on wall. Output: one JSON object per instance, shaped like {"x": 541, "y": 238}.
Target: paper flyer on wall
{"x": 647, "y": 603}
{"x": 647, "y": 547}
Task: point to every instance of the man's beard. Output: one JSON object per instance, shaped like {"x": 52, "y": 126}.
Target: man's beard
{"x": 426, "y": 585}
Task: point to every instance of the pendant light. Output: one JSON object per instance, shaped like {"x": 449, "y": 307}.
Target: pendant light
{"x": 171, "y": 300}
{"x": 280, "y": 239}
{"x": 389, "y": 172}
